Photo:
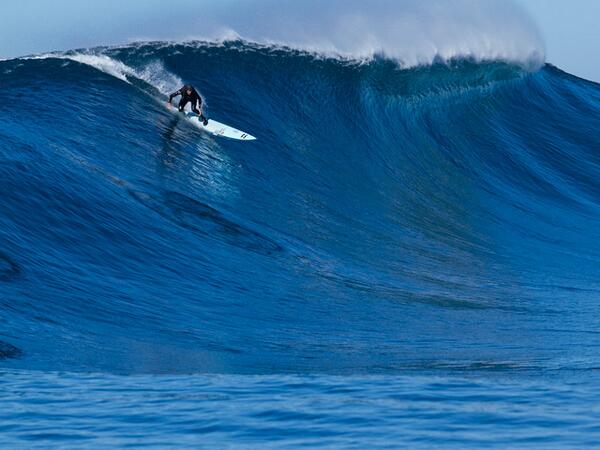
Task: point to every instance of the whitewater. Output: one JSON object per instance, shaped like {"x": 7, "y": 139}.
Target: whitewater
{"x": 407, "y": 256}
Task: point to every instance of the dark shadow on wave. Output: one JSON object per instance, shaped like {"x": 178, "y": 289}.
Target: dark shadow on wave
{"x": 9, "y": 270}
{"x": 9, "y": 351}
{"x": 205, "y": 220}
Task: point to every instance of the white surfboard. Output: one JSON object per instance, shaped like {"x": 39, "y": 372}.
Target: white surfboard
{"x": 214, "y": 127}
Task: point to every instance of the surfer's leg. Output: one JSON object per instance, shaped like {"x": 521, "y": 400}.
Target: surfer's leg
{"x": 182, "y": 104}
{"x": 195, "y": 107}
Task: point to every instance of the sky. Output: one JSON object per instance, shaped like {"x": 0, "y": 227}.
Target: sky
{"x": 571, "y": 31}
{"x": 569, "y": 27}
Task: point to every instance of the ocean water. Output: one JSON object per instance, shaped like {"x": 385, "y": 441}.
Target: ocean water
{"x": 404, "y": 257}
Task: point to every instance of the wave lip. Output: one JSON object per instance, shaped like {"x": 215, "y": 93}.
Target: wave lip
{"x": 411, "y": 32}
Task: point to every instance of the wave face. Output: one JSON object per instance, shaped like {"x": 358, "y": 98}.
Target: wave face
{"x": 434, "y": 219}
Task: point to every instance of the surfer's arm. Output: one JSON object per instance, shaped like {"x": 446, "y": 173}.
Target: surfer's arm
{"x": 197, "y": 97}
{"x": 174, "y": 94}
{"x": 197, "y": 101}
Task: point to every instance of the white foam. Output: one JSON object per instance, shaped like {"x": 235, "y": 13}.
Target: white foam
{"x": 154, "y": 73}
{"x": 104, "y": 63}
{"x": 158, "y": 76}
{"x": 98, "y": 61}
{"x": 413, "y": 32}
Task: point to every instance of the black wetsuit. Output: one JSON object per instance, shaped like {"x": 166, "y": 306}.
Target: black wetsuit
{"x": 194, "y": 98}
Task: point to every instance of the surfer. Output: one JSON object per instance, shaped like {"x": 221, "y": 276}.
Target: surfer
{"x": 189, "y": 94}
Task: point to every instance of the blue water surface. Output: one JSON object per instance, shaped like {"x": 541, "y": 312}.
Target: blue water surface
{"x": 402, "y": 258}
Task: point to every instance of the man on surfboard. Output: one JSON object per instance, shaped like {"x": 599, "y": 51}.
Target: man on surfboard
{"x": 189, "y": 94}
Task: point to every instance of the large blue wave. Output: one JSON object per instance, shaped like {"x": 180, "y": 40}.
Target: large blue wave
{"x": 441, "y": 217}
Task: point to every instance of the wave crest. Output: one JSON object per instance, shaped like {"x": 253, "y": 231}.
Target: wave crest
{"x": 414, "y": 33}
{"x": 411, "y": 32}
